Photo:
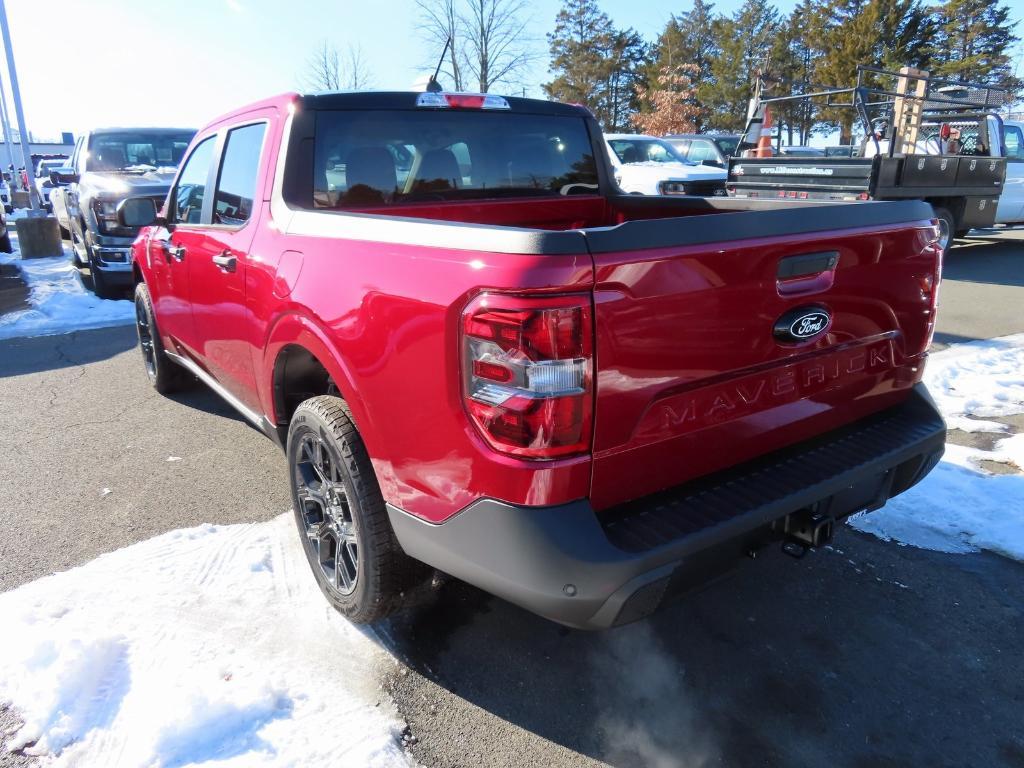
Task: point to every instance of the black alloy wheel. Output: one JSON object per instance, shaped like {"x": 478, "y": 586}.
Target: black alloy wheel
{"x": 331, "y": 533}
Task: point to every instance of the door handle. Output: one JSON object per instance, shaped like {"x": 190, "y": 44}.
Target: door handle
{"x": 171, "y": 251}
{"x": 226, "y": 261}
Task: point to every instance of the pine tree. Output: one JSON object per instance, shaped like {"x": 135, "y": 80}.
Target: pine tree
{"x": 596, "y": 64}
{"x": 626, "y": 80}
{"x": 582, "y": 32}
{"x": 790, "y": 73}
{"x": 746, "y": 40}
{"x": 880, "y": 33}
{"x": 973, "y": 43}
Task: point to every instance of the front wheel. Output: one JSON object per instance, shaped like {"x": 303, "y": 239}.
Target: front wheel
{"x": 340, "y": 513}
{"x": 100, "y": 286}
{"x": 164, "y": 375}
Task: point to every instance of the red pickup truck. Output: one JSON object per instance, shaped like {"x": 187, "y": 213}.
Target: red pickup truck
{"x": 481, "y": 357}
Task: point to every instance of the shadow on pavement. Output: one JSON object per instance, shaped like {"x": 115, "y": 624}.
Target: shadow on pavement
{"x": 864, "y": 655}
{"x": 43, "y": 353}
{"x": 992, "y": 260}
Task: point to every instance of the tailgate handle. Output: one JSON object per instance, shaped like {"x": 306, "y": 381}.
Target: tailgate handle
{"x": 807, "y": 264}
{"x": 807, "y": 273}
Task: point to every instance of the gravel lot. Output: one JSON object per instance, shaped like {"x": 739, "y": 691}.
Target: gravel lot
{"x": 867, "y": 654}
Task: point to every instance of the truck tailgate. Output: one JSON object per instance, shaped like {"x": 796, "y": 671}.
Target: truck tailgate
{"x": 698, "y": 367}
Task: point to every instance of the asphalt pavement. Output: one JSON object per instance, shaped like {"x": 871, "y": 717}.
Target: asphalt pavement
{"x": 865, "y": 654}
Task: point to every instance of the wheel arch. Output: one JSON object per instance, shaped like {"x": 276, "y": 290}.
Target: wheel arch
{"x": 300, "y": 359}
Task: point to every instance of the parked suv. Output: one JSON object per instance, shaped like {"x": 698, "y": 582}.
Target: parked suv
{"x": 108, "y": 166}
{"x": 482, "y": 357}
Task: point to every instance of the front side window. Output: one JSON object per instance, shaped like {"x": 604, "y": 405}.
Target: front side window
{"x": 191, "y": 188}
{"x": 236, "y": 185}
{"x": 393, "y": 157}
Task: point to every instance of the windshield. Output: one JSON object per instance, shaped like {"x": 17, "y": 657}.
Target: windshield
{"x": 727, "y": 144}
{"x": 136, "y": 150}
{"x": 644, "y": 151}
{"x": 383, "y": 157}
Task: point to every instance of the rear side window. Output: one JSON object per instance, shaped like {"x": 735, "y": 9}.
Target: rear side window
{"x": 191, "y": 189}
{"x": 383, "y": 157}
{"x": 236, "y": 186}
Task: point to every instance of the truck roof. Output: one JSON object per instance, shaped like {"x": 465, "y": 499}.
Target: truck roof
{"x": 407, "y": 100}
{"x": 391, "y": 100}
{"x": 140, "y": 128}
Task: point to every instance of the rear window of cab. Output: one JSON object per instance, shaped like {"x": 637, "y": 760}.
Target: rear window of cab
{"x": 377, "y": 158}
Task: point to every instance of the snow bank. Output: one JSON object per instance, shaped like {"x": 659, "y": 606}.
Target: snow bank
{"x": 960, "y": 507}
{"x": 979, "y": 378}
{"x": 205, "y": 646}
{"x": 59, "y": 301}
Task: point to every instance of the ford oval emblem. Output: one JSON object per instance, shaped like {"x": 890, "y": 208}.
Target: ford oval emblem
{"x": 802, "y": 324}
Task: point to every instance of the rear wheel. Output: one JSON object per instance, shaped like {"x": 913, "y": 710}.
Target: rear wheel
{"x": 947, "y": 226}
{"x": 164, "y": 375}
{"x": 340, "y": 513}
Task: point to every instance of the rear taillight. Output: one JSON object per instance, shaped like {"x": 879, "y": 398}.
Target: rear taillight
{"x": 528, "y": 373}
{"x": 930, "y": 240}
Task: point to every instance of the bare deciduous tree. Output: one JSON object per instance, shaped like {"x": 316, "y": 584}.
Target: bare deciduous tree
{"x": 327, "y": 71}
{"x": 496, "y": 45}
{"x": 489, "y": 44}
{"x": 323, "y": 69}
{"x": 439, "y": 23}
{"x": 356, "y": 75}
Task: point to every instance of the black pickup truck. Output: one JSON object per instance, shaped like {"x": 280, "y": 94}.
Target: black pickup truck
{"x": 110, "y": 165}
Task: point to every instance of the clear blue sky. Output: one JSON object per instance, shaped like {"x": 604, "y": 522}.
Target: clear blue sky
{"x": 84, "y": 63}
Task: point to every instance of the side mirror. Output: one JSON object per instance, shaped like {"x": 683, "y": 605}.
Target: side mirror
{"x": 62, "y": 176}
{"x": 137, "y": 212}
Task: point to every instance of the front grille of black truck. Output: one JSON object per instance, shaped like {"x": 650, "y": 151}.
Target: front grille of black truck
{"x": 783, "y": 481}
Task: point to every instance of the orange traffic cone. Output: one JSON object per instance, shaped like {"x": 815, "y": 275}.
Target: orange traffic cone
{"x": 764, "y": 143}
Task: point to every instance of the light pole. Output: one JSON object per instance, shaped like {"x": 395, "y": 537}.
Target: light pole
{"x": 33, "y": 195}
{"x": 8, "y": 139}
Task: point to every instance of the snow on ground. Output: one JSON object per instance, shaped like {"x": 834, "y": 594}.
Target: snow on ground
{"x": 961, "y": 507}
{"x": 59, "y": 301}
{"x": 205, "y": 646}
{"x": 980, "y": 378}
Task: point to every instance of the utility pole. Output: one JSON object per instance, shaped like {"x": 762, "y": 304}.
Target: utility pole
{"x": 26, "y": 151}
{"x": 8, "y": 140}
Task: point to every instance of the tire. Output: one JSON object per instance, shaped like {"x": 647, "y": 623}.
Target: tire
{"x": 100, "y": 286}
{"x": 163, "y": 373}
{"x": 75, "y": 258}
{"x": 341, "y": 517}
{"x": 65, "y": 234}
{"x": 947, "y": 228}
{"x": 5, "y": 243}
